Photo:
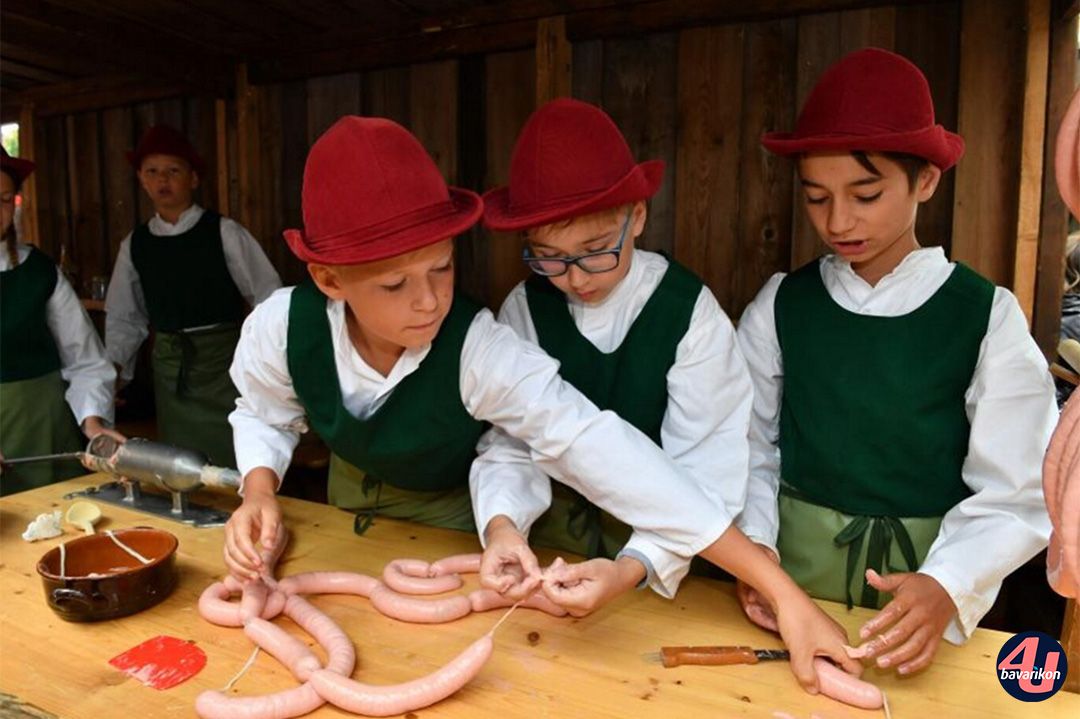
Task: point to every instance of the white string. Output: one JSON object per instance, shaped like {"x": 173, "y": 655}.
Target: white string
{"x": 63, "y": 558}
{"x": 126, "y": 548}
{"x": 885, "y": 705}
{"x": 505, "y": 616}
{"x": 247, "y": 665}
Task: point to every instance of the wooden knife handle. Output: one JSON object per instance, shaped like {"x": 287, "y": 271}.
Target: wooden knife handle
{"x": 675, "y": 656}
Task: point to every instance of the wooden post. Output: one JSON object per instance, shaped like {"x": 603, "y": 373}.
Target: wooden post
{"x": 30, "y": 225}
{"x": 247, "y": 151}
{"x": 222, "y": 150}
{"x": 1033, "y": 135}
{"x": 554, "y": 61}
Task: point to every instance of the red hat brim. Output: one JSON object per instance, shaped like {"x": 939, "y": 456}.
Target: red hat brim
{"x": 640, "y": 183}
{"x": 939, "y": 146}
{"x": 465, "y": 208}
{"x": 18, "y": 168}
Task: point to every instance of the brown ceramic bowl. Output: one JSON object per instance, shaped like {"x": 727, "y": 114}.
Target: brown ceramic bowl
{"x": 102, "y": 581}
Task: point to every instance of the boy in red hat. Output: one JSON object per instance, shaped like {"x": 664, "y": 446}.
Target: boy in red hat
{"x": 901, "y": 409}
{"x": 54, "y": 378}
{"x": 637, "y": 333}
{"x": 191, "y": 275}
{"x": 400, "y": 377}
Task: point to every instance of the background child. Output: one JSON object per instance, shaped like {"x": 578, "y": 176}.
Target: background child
{"x": 191, "y": 276}
{"x": 54, "y": 377}
{"x": 637, "y": 333}
{"x": 901, "y": 407}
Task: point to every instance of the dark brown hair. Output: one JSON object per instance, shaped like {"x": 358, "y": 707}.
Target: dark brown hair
{"x": 911, "y": 164}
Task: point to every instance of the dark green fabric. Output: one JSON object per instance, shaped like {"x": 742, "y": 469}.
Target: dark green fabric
{"x": 631, "y": 381}
{"x": 872, "y": 420}
{"x": 35, "y": 420}
{"x": 184, "y": 277}
{"x": 193, "y": 392}
{"x": 422, "y": 439}
{"x": 27, "y": 347}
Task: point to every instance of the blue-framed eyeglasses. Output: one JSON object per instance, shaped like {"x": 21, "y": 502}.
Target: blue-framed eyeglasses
{"x": 591, "y": 262}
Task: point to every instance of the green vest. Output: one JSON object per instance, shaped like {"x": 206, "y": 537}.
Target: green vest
{"x": 422, "y": 438}
{"x": 873, "y": 417}
{"x": 184, "y": 277}
{"x": 27, "y": 347}
{"x": 873, "y": 429}
{"x": 630, "y": 381}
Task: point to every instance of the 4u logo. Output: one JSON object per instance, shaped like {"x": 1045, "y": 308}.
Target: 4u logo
{"x": 1031, "y": 666}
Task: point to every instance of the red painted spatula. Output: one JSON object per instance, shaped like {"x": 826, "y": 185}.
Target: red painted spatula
{"x": 161, "y": 662}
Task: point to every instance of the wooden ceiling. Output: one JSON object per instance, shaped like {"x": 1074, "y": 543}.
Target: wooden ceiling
{"x": 52, "y": 52}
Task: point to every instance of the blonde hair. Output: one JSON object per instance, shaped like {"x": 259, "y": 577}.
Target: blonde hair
{"x": 1072, "y": 264}
{"x": 604, "y": 215}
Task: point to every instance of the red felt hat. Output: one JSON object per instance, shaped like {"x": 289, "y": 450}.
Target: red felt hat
{"x": 17, "y": 168}
{"x": 165, "y": 140}
{"x": 371, "y": 191}
{"x": 569, "y": 160}
{"x": 874, "y": 101}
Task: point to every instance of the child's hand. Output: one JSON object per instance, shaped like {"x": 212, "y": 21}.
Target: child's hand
{"x": 808, "y": 632}
{"x": 753, "y": 602}
{"x": 508, "y": 565}
{"x": 586, "y": 586}
{"x": 916, "y": 618}
{"x": 258, "y": 519}
{"x": 93, "y": 426}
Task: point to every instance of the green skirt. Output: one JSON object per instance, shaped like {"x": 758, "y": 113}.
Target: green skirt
{"x": 351, "y": 490}
{"x": 827, "y": 552}
{"x": 34, "y": 420}
{"x": 573, "y": 524}
{"x": 193, "y": 392}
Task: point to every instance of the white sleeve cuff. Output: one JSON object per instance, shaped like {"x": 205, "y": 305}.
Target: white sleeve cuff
{"x": 664, "y": 570}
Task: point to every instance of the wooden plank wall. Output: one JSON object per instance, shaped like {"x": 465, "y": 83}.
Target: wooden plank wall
{"x": 697, "y": 98}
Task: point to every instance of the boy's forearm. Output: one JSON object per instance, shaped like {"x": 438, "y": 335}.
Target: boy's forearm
{"x": 261, "y": 480}
{"x": 736, "y": 554}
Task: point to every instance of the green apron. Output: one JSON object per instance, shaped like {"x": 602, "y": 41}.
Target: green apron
{"x": 35, "y": 420}
{"x": 193, "y": 391}
{"x": 410, "y": 459}
{"x": 630, "y": 381}
{"x": 352, "y": 491}
{"x": 873, "y": 429}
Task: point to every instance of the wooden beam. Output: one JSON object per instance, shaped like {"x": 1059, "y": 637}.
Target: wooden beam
{"x": 247, "y": 130}
{"x": 30, "y": 224}
{"x": 512, "y": 26}
{"x": 988, "y": 176}
{"x": 1054, "y": 219}
{"x": 30, "y": 72}
{"x": 1033, "y": 135}
{"x": 108, "y": 41}
{"x": 554, "y": 61}
{"x": 98, "y": 93}
{"x": 222, "y": 152}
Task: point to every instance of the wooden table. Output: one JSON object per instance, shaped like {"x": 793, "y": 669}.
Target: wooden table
{"x": 542, "y": 666}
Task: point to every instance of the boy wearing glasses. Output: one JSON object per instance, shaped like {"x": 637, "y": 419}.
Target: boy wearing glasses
{"x": 635, "y": 332}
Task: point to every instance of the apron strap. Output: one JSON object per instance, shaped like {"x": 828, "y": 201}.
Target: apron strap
{"x": 365, "y": 518}
{"x": 882, "y": 531}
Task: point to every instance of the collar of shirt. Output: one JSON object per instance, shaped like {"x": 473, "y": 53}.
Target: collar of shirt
{"x": 606, "y": 323}
{"x": 915, "y": 280}
{"x": 23, "y": 251}
{"x": 187, "y": 220}
{"x": 363, "y": 389}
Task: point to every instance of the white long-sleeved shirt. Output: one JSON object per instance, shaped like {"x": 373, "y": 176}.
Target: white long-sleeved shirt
{"x": 127, "y": 321}
{"x": 83, "y": 365}
{"x": 704, "y": 426}
{"x": 1009, "y": 404}
{"x": 503, "y": 380}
